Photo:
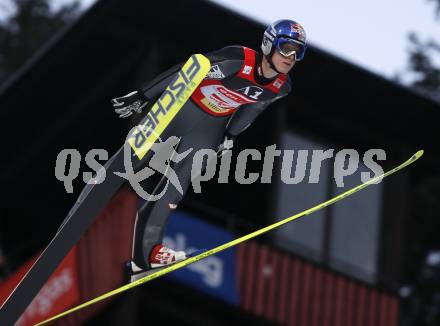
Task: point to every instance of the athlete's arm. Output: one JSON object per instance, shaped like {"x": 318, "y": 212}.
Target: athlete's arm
{"x": 224, "y": 56}
{"x": 156, "y": 86}
{"x": 229, "y": 60}
{"x": 246, "y": 114}
{"x": 137, "y": 100}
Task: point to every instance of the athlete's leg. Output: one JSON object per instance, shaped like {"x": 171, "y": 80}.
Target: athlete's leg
{"x": 153, "y": 216}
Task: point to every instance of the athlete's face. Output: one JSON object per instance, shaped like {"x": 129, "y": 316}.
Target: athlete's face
{"x": 282, "y": 63}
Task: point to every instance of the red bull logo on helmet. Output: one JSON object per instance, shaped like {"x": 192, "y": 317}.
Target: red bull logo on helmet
{"x": 297, "y": 28}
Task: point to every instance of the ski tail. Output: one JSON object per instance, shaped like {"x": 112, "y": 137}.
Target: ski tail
{"x": 169, "y": 104}
{"x": 94, "y": 197}
{"x": 237, "y": 241}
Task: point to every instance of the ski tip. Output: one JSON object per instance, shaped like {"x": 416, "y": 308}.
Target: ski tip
{"x": 418, "y": 154}
{"x": 202, "y": 58}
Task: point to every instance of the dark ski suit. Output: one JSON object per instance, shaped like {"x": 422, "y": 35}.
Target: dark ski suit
{"x": 227, "y": 101}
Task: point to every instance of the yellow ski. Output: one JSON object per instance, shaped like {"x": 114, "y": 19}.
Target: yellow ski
{"x": 232, "y": 243}
{"x": 94, "y": 197}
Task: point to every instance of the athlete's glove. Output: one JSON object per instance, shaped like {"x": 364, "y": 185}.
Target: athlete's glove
{"x": 127, "y": 104}
{"x": 226, "y": 145}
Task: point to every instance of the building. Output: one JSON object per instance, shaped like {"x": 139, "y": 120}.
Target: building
{"x": 359, "y": 245}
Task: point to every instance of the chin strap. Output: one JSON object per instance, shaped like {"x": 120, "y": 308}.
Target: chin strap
{"x": 269, "y": 59}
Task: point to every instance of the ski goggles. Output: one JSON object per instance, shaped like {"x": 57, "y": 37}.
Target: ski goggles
{"x": 287, "y": 46}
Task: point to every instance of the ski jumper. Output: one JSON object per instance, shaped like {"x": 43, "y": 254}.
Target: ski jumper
{"x": 227, "y": 101}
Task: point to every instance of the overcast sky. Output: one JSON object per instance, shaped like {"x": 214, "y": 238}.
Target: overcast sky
{"x": 370, "y": 33}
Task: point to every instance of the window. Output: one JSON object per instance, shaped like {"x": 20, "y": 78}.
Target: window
{"x": 344, "y": 236}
